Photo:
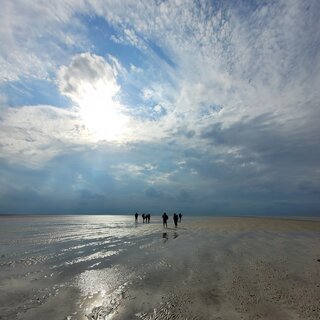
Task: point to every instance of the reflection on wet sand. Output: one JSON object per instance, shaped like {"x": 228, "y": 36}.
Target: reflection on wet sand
{"x": 165, "y": 237}
{"x": 128, "y": 272}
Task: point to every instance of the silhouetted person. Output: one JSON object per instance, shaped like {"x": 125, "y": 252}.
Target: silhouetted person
{"x": 148, "y": 217}
{"x": 175, "y": 219}
{"x": 136, "y": 217}
{"x": 180, "y": 216}
{"x": 164, "y": 220}
{"x": 143, "y": 217}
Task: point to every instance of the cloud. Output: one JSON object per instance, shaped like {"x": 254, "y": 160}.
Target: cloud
{"x": 85, "y": 73}
{"x": 33, "y": 135}
{"x": 90, "y": 81}
{"x": 129, "y": 37}
{"x": 221, "y": 106}
{"x": 36, "y": 36}
{"x": 87, "y": 195}
{"x": 153, "y": 193}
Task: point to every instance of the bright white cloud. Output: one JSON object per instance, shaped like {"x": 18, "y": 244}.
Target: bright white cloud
{"x": 85, "y": 73}
{"x": 91, "y": 83}
{"x": 35, "y": 36}
{"x": 225, "y": 58}
{"x": 33, "y": 135}
{"x": 248, "y": 65}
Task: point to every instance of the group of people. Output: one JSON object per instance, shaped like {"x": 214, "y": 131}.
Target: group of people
{"x": 176, "y": 218}
{"x": 165, "y": 217}
{"x": 145, "y": 217}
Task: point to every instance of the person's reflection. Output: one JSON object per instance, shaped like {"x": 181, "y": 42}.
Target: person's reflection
{"x": 175, "y": 235}
{"x": 165, "y": 237}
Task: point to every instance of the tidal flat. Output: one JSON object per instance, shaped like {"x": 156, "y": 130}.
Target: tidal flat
{"x": 109, "y": 267}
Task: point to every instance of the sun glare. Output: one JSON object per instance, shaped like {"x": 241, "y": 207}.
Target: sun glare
{"x": 101, "y": 114}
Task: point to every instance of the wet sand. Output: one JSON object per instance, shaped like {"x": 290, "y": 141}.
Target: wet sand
{"x": 231, "y": 268}
{"x": 208, "y": 268}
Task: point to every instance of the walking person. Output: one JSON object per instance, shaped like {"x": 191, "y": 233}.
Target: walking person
{"x": 164, "y": 220}
{"x": 175, "y": 220}
{"x": 180, "y": 216}
{"x": 143, "y": 217}
{"x": 136, "y": 216}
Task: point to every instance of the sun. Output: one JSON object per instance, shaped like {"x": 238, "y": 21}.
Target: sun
{"x": 101, "y": 113}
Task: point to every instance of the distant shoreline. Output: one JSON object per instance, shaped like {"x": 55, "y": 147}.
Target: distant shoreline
{"x": 186, "y": 216}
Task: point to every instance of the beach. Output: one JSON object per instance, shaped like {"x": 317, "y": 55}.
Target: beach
{"x": 109, "y": 267}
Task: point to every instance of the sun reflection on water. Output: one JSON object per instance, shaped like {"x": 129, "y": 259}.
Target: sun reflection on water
{"x": 102, "y": 291}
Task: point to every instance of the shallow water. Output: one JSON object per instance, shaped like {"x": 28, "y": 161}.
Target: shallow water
{"x": 48, "y": 260}
{"x": 109, "y": 267}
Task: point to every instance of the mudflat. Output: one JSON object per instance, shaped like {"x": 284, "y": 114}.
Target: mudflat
{"x": 232, "y": 268}
{"x": 207, "y": 268}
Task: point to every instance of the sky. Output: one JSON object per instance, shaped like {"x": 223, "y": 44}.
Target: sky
{"x": 200, "y": 107}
